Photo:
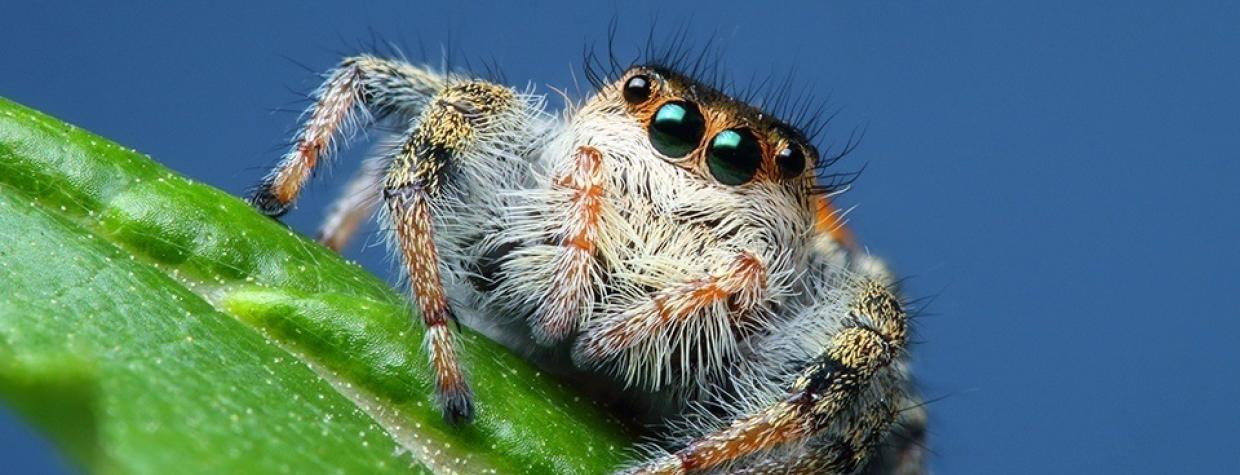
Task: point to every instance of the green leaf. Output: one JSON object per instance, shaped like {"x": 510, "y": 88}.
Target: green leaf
{"x": 150, "y": 324}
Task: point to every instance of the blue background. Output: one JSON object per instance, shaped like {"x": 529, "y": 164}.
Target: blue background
{"x": 1062, "y": 176}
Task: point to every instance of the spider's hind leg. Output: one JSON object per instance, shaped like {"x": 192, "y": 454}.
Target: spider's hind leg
{"x": 354, "y": 205}
{"x": 362, "y": 89}
{"x": 466, "y": 140}
{"x": 837, "y": 410}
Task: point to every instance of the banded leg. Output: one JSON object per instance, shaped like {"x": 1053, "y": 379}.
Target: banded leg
{"x": 842, "y": 455}
{"x": 409, "y": 207}
{"x": 824, "y": 405}
{"x": 423, "y": 187}
{"x": 708, "y": 308}
{"x": 571, "y": 292}
{"x": 362, "y": 89}
{"x": 353, "y": 206}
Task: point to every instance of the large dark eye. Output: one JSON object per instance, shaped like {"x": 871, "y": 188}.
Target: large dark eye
{"x": 677, "y": 128}
{"x": 637, "y": 89}
{"x": 791, "y": 161}
{"x": 734, "y": 156}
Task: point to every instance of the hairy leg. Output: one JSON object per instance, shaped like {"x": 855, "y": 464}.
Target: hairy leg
{"x": 462, "y": 134}
{"x": 357, "y": 203}
{"x": 359, "y": 91}
{"x": 576, "y": 275}
{"x": 424, "y": 184}
{"x": 702, "y": 313}
{"x": 824, "y": 407}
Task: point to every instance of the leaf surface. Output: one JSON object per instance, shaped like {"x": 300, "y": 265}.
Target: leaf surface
{"x": 150, "y": 324}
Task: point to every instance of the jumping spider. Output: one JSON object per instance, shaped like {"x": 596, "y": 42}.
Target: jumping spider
{"x": 661, "y": 237}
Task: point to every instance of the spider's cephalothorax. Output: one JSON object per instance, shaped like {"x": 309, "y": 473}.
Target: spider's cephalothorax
{"x": 661, "y": 236}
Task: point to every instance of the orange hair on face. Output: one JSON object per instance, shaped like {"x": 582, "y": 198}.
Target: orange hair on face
{"x": 827, "y": 220}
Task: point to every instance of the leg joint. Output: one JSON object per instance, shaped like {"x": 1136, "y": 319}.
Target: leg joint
{"x": 877, "y": 309}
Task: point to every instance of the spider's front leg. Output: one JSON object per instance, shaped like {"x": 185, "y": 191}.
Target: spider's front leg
{"x": 435, "y": 188}
{"x": 837, "y": 410}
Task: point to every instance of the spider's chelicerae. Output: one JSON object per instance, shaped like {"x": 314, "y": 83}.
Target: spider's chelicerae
{"x": 661, "y": 240}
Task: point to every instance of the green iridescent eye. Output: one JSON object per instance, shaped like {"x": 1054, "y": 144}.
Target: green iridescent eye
{"x": 676, "y": 128}
{"x": 734, "y": 156}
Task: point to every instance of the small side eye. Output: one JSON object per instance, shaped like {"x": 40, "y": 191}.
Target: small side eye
{"x": 676, "y": 128}
{"x": 791, "y": 161}
{"x": 637, "y": 89}
{"x": 734, "y": 156}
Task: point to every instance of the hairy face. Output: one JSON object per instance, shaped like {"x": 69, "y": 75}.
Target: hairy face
{"x": 706, "y": 132}
{"x": 705, "y": 154}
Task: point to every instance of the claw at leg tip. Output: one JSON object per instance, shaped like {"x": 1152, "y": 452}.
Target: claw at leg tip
{"x": 266, "y": 202}
{"x": 457, "y": 407}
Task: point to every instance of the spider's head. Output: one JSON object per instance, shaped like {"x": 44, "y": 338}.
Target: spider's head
{"x": 709, "y": 133}
{"x": 727, "y": 146}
